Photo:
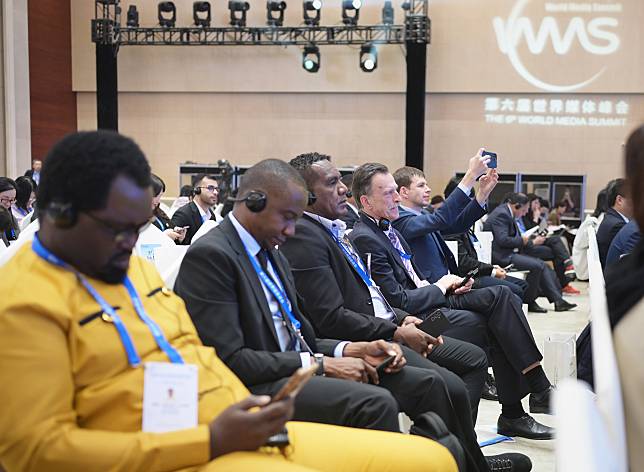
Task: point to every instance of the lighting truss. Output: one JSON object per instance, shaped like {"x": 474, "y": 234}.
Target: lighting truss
{"x": 108, "y": 30}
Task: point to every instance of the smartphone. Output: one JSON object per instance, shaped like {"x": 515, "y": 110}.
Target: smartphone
{"x": 383, "y": 365}
{"x": 296, "y": 382}
{"x": 493, "y": 162}
{"x": 435, "y": 324}
{"x": 508, "y": 267}
{"x": 470, "y": 275}
{"x": 278, "y": 440}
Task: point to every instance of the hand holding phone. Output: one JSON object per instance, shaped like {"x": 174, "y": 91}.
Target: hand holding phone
{"x": 295, "y": 382}
{"x": 469, "y": 276}
{"x": 493, "y": 160}
{"x": 508, "y": 267}
{"x": 435, "y": 324}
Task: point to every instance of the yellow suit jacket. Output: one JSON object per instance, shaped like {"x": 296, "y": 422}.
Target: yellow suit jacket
{"x": 67, "y": 392}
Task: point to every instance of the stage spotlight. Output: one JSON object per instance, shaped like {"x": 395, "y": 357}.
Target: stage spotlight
{"x": 238, "y": 12}
{"x": 351, "y": 6}
{"x": 311, "y": 59}
{"x": 132, "y": 17}
{"x": 167, "y": 14}
{"x": 201, "y": 13}
{"x": 388, "y": 13}
{"x": 368, "y": 58}
{"x": 275, "y": 12}
{"x": 310, "y": 18}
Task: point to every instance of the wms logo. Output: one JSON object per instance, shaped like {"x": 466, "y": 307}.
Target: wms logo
{"x": 576, "y": 29}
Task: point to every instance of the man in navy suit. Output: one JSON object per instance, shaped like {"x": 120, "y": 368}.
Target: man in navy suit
{"x": 495, "y": 312}
{"x": 624, "y": 242}
{"x": 616, "y": 216}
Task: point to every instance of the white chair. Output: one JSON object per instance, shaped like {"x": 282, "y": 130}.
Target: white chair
{"x": 178, "y": 203}
{"x": 150, "y": 239}
{"x": 593, "y": 433}
{"x": 164, "y": 208}
{"x": 26, "y": 220}
{"x": 453, "y": 246}
{"x": 204, "y": 228}
{"x": 29, "y": 230}
{"x": 168, "y": 262}
{"x": 484, "y": 251}
{"x": 23, "y": 238}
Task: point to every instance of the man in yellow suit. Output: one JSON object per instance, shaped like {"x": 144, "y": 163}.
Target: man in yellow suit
{"x": 101, "y": 367}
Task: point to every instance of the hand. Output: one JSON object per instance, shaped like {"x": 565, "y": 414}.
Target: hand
{"x": 539, "y": 240}
{"x": 172, "y": 234}
{"x": 416, "y": 339}
{"x": 350, "y": 368}
{"x": 239, "y": 429}
{"x": 411, "y": 320}
{"x": 526, "y": 239}
{"x": 448, "y": 282}
{"x": 486, "y": 185}
{"x": 377, "y": 351}
{"x": 500, "y": 273}
{"x": 465, "y": 288}
{"x": 476, "y": 167}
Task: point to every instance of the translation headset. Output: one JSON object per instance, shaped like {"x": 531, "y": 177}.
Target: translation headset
{"x": 196, "y": 190}
{"x": 384, "y": 224}
{"x": 256, "y": 200}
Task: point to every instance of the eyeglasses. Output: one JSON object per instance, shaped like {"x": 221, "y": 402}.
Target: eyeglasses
{"x": 121, "y": 234}
{"x": 210, "y": 188}
{"x": 8, "y": 200}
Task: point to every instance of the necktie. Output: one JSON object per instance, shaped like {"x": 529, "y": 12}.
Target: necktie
{"x": 262, "y": 257}
{"x": 393, "y": 237}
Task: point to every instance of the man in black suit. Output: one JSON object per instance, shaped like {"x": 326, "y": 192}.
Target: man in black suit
{"x": 34, "y": 172}
{"x": 199, "y": 210}
{"x": 240, "y": 294}
{"x": 498, "y": 318}
{"x": 351, "y": 217}
{"x": 618, "y": 214}
{"x": 508, "y": 246}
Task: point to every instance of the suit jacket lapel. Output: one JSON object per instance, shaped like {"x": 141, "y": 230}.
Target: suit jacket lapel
{"x": 387, "y": 243}
{"x": 249, "y": 271}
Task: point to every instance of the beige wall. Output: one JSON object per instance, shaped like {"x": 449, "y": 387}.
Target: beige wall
{"x": 245, "y": 103}
{"x": 3, "y": 153}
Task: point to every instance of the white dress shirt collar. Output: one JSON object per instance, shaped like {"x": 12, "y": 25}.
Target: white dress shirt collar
{"x": 337, "y": 227}
{"x": 249, "y": 242}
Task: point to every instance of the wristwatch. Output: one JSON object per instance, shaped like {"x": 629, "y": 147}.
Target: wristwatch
{"x": 319, "y": 360}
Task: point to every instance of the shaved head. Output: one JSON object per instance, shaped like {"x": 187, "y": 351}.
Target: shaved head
{"x": 270, "y": 176}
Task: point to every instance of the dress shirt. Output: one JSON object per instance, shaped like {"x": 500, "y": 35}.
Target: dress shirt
{"x": 624, "y": 217}
{"x": 253, "y": 248}
{"x": 338, "y": 229}
{"x": 205, "y": 214}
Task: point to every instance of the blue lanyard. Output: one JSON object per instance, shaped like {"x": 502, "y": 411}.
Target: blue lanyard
{"x": 275, "y": 290}
{"x": 132, "y": 355}
{"x": 404, "y": 255}
{"x": 348, "y": 256}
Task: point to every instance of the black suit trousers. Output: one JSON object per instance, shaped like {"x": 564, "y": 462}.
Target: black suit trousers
{"x": 340, "y": 402}
{"x": 518, "y": 286}
{"x": 511, "y": 344}
{"x": 540, "y": 277}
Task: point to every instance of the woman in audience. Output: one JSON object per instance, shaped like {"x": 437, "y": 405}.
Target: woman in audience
{"x": 533, "y": 217}
{"x": 161, "y": 220}
{"x": 8, "y": 198}
{"x": 25, "y": 197}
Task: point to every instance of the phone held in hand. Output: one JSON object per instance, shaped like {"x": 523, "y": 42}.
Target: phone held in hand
{"x": 493, "y": 161}
{"x": 469, "y": 276}
{"x": 278, "y": 440}
{"x": 435, "y": 324}
{"x": 383, "y": 365}
{"x": 295, "y": 383}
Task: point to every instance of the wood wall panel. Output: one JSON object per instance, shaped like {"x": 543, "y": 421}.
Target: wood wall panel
{"x": 53, "y": 103}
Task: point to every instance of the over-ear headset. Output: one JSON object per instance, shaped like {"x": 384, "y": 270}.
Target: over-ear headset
{"x": 196, "y": 190}
{"x": 63, "y": 214}
{"x": 256, "y": 200}
{"x": 384, "y": 224}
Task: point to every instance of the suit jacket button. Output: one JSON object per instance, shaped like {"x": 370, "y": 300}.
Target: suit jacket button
{"x": 369, "y": 302}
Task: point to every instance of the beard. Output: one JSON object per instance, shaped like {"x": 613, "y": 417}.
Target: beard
{"x": 112, "y": 273}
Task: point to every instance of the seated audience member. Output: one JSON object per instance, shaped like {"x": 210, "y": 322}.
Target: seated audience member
{"x": 185, "y": 197}
{"x": 509, "y": 247}
{"x": 436, "y": 202}
{"x": 240, "y": 295}
{"x": 25, "y": 198}
{"x": 67, "y": 320}
{"x": 580, "y": 244}
{"x": 617, "y": 215}
{"x": 497, "y": 323}
{"x": 553, "y": 247}
{"x": 7, "y": 199}
{"x": 352, "y": 216}
{"x": 624, "y": 242}
{"x": 34, "y": 173}
{"x": 487, "y": 274}
{"x": 348, "y": 308}
{"x": 554, "y": 217}
{"x": 6, "y": 222}
{"x": 161, "y": 220}
{"x": 200, "y": 209}
{"x": 624, "y": 291}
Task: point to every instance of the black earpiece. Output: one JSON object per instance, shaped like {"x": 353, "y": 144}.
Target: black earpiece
{"x": 384, "y": 224}
{"x": 196, "y": 190}
{"x": 63, "y": 214}
{"x": 255, "y": 200}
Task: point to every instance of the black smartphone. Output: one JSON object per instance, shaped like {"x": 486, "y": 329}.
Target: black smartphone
{"x": 435, "y": 324}
{"x": 278, "y": 440}
{"x": 470, "y": 275}
{"x": 493, "y": 162}
{"x": 383, "y": 365}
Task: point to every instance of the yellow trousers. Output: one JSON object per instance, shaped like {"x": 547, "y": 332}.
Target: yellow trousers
{"x": 334, "y": 449}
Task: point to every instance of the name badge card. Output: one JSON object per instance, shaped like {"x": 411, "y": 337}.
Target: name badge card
{"x": 170, "y": 397}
